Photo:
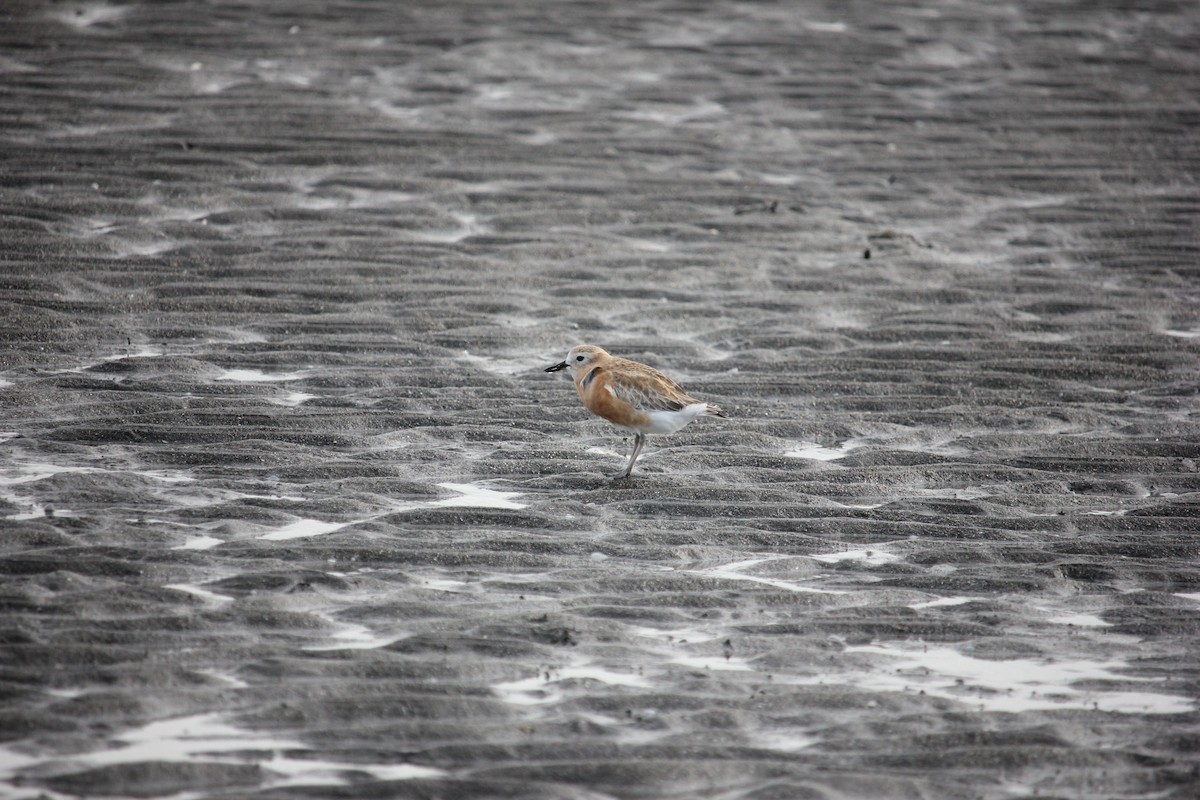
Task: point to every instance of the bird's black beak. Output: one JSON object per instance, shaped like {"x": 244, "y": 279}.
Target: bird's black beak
{"x": 557, "y": 367}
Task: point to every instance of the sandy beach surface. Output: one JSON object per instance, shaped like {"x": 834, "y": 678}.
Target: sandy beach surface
{"x": 289, "y": 508}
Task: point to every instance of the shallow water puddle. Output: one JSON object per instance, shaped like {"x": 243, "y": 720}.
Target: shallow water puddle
{"x": 258, "y": 376}
{"x": 37, "y": 510}
{"x": 626, "y": 730}
{"x": 36, "y": 471}
{"x": 134, "y": 351}
{"x": 469, "y": 495}
{"x": 502, "y": 366}
{"x": 11, "y": 763}
{"x": 472, "y": 495}
{"x": 210, "y": 597}
{"x": 468, "y": 225}
{"x": 713, "y": 663}
{"x": 677, "y": 635}
{"x": 816, "y": 452}
{"x": 782, "y": 740}
{"x": 856, "y": 506}
{"x": 352, "y": 636}
{"x": 209, "y": 739}
{"x": 313, "y": 772}
{"x": 200, "y": 542}
{"x": 941, "y": 602}
{"x": 736, "y": 572}
{"x": 304, "y": 528}
{"x": 1008, "y": 685}
{"x": 872, "y": 558}
{"x": 39, "y": 470}
{"x": 291, "y": 399}
{"x": 1080, "y": 620}
{"x": 227, "y": 678}
{"x": 19, "y": 472}
{"x": 543, "y": 687}
{"x": 450, "y": 585}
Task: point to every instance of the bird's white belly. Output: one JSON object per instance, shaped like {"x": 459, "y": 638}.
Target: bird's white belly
{"x": 670, "y": 421}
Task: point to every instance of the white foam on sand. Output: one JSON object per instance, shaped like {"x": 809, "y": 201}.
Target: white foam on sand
{"x": 1007, "y": 685}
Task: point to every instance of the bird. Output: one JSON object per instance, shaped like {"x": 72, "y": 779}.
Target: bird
{"x": 632, "y": 396}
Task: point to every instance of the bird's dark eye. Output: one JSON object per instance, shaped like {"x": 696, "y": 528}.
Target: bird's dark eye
{"x": 579, "y": 358}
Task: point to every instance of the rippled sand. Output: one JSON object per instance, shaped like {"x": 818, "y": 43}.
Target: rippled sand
{"x": 289, "y": 508}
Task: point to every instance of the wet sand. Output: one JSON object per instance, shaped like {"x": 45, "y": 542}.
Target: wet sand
{"x": 289, "y": 508}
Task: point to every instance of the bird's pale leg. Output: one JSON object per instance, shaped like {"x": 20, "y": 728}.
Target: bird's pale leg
{"x": 639, "y": 439}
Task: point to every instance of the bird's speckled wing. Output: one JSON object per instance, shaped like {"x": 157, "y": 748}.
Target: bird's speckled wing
{"x": 645, "y": 388}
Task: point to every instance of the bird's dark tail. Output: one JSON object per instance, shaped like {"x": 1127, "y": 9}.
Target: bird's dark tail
{"x": 714, "y": 411}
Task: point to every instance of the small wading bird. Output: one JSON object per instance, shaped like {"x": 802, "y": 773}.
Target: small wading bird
{"x": 631, "y": 395}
